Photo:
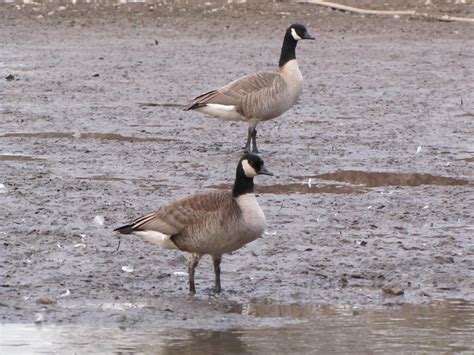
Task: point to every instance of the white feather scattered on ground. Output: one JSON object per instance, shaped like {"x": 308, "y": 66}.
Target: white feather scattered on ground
{"x": 180, "y": 273}
{"x": 127, "y": 268}
{"x": 39, "y": 318}
{"x": 3, "y": 189}
{"x": 418, "y": 150}
{"x": 65, "y": 294}
{"x": 99, "y": 220}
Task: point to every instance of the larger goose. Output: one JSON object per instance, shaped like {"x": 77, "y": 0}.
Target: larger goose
{"x": 260, "y": 96}
{"x": 208, "y": 223}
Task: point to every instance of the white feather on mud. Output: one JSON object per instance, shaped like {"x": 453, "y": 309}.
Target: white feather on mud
{"x": 127, "y": 268}
{"x": 65, "y": 294}
{"x": 39, "y": 318}
{"x": 181, "y": 273}
{"x": 99, "y": 220}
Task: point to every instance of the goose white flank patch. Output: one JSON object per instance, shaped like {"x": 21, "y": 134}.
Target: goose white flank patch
{"x": 211, "y": 223}
{"x": 260, "y": 96}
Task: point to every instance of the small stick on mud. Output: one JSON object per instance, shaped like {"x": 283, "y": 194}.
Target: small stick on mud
{"x": 357, "y": 10}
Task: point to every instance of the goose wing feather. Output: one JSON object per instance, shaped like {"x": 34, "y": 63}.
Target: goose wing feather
{"x": 185, "y": 214}
{"x": 232, "y": 93}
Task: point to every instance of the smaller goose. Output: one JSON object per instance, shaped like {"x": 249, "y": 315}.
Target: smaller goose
{"x": 260, "y": 96}
{"x": 211, "y": 223}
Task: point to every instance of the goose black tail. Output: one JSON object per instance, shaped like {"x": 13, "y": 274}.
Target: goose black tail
{"x": 193, "y": 106}
{"x": 128, "y": 229}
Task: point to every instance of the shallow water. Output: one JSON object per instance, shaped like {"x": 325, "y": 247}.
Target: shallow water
{"x": 17, "y": 157}
{"x": 302, "y": 188}
{"x": 87, "y": 135}
{"x": 439, "y": 327}
{"x": 377, "y": 179}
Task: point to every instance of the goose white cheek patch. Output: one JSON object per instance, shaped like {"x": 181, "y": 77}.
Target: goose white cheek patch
{"x": 295, "y": 35}
{"x": 248, "y": 170}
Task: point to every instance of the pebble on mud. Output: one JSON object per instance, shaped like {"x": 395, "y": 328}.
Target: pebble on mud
{"x": 444, "y": 259}
{"x": 393, "y": 290}
{"x": 45, "y": 300}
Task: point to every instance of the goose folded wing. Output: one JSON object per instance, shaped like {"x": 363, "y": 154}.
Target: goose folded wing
{"x": 231, "y": 93}
{"x": 185, "y": 213}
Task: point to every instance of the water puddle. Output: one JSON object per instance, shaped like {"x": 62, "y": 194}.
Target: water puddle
{"x": 154, "y": 183}
{"x": 115, "y": 178}
{"x": 89, "y": 135}
{"x": 441, "y": 327}
{"x": 377, "y": 179}
{"x": 17, "y": 157}
{"x": 303, "y": 188}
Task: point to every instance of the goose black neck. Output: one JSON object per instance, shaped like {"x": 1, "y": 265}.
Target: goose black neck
{"x": 243, "y": 184}
{"x": 288, "y": 50}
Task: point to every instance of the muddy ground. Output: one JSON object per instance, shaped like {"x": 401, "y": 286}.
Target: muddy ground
{"x": 91, "y": 126}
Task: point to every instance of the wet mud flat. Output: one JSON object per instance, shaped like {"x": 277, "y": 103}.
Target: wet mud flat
{"x": 371, "y": 208}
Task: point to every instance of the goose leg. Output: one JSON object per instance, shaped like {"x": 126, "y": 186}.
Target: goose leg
{"x": 249, "y": 140}
{"x": 254, "y": 141}
{"x": 192, "y": 263}
{"x": 217, "y": 271}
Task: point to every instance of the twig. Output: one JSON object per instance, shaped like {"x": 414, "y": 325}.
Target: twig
{"x": 357, "y": 10}
{"x": 447, "y": 18}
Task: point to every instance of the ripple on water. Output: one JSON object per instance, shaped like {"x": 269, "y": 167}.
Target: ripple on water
{"x": 445, "y": 326}
{"x": 378, "y": 179}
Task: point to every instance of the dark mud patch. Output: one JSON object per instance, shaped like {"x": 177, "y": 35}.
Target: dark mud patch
{"x": 89, "y": 135}
{"x": 378, "y": 179}
{"x": 156, "y": 104}
{"x": 13, "y": 157}
{"x": 280, "y": 189}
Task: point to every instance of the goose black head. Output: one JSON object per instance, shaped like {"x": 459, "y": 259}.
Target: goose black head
{"x": 252, "y": 165}
{"x": 299, "y": 32}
